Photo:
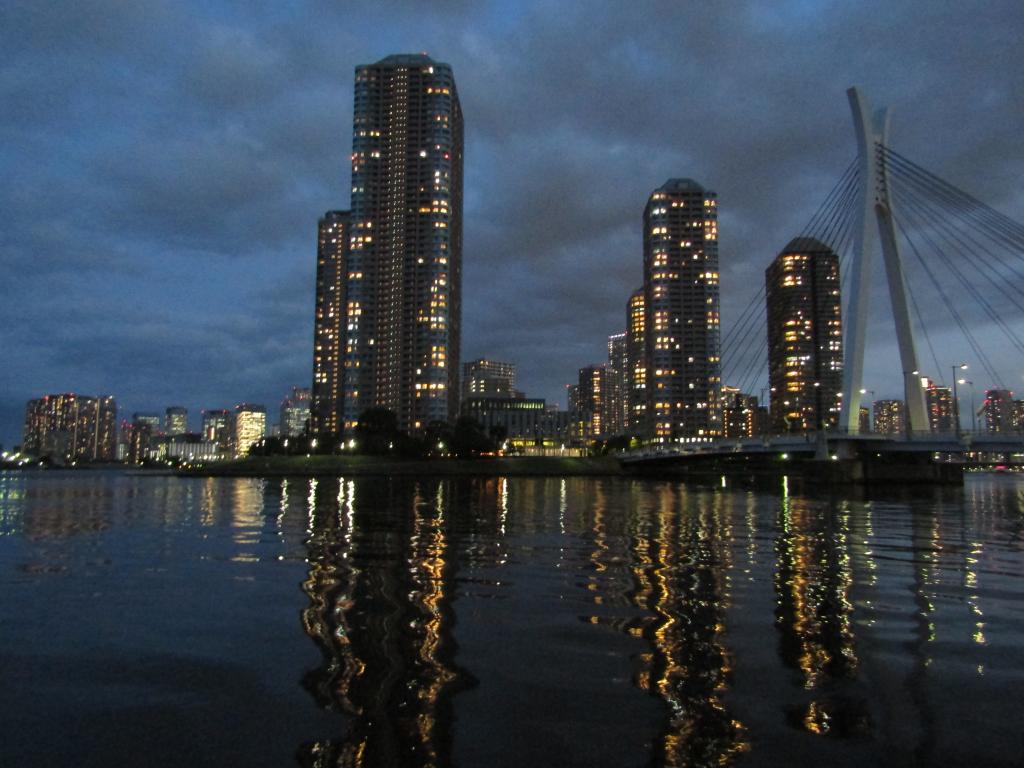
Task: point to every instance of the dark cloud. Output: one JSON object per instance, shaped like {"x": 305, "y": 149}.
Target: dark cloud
{"x": 163, "y": 166}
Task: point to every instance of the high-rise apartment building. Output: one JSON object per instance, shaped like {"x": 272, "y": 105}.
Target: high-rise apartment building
{"x": 618, "y": 398}
{"x": 488, "y": 378}
{"x": 681, "y": 311}
{"x": 71, "y": 428}
{"x": 295, "y": 413}
{"x": 805, "y": 342}
{"x": 890, "y": 417}
{"x": 594, "y": 404}
{"x": 403, "y": 275}
{"x": 636, "y": 363}
{"x": 998, "y": 410}
{"x": 250, "y": 426}
{"x": 939, "y": 402}
{"x": 329, "y": 324}
{"x": 175, "y": 421}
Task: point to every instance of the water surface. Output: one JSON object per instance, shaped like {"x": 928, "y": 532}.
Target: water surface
{"x": 364, "y": 621}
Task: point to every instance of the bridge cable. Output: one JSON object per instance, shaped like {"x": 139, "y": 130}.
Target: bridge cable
{"x": 950, "y": 263}
{"x": 946, "y": 300}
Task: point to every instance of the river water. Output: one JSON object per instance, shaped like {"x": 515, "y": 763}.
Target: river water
{"x": 162, "y": 621}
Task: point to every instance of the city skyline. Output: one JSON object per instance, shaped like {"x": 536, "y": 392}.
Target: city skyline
{"x": 141, "y": 285}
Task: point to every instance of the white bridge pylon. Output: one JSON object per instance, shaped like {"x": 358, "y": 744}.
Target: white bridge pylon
{"x": 872, "y": 136}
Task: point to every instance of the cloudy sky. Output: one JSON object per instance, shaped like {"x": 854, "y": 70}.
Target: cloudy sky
{"x": 163, "y": 165}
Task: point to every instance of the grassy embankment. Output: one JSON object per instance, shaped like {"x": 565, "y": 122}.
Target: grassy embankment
{"x": 275, "y": 466}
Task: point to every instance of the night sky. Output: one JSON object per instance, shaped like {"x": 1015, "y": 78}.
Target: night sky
{"x": 163, "y": 166}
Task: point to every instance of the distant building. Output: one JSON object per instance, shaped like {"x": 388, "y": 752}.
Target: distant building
{"x": 998, "y": 410}
{"x": 192, "y": 447}
{"x": 618, "y": 403}
{"x": 175, "y": 421}
{"x": 939, "y": 402}
{"x": 71, "y": 428}
{"x": 329, "y": 327}
{"x": 1017, "y": 416}
{"x": 295, "y": 413}
{"x": 740, "y": 414}
{"x": 217, "y": 429}
{"x": 681, "y": 303}
{"x": 595, "y": 403}
{"x": 488, "y": 378}
{"x": 522, "y": 421}
{"x": 890, "y": 417}
{"x": 250, "y": 426}
{"x": 805, "y": 343}
{"x": 864, "y": 421}
{"x": 142, "y": 435}
{"x": 636, "y": 364}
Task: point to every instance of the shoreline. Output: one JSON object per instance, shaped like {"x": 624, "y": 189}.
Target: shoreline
{"x": 312, "y": 466}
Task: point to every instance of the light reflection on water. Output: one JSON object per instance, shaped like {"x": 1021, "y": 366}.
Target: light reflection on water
{"x": 520, "y": 621}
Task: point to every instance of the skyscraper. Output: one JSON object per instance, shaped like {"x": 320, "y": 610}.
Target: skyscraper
{"x": 618, "y": 404}
{"x": 890, "y": 417}
{"x": 176, "y": 420}
{"x": 998, "y": 410}
{"x": 217, "y": 428}
{"x": 250, "y": 426}
{"x": 636, "y": 354}
{"x": 593, "y": 405}
{"x": 805, "y": 343}
{"x": 488, "y": 378}
{"x": 295, "y": 413}
{"x": 939, "y": 402}
{"x": 329, "y": 323}
{"x": 681, "y": 311}
{"x": 403, "y": 277}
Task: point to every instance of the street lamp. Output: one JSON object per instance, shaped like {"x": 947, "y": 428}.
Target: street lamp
{"x": 956, "y": 402}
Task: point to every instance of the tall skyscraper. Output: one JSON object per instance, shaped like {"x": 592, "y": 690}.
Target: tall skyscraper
{"x": 593, "y": 405}
{"x": 681, "y": 311}
{"x": 175, "y": 421}
{"x": 403, "y": 277}
{"x": 329, "y": 332}
{"x": 618, "y": 402}
{"x": 805, "y": 341}
{"x": 636, "y": 363}
{"x": 70, "y": 427}
{"x": 488, "y": 378}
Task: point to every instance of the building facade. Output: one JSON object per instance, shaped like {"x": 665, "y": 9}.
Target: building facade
{"x": 998, "y": 411}
{"x": 329, "y": 324}
{"x": 175, "y": 421}
{"x": 295, "y": 413}
{"x": 805, "y": 337}
{"x": 488, "y": 378}
{"x": 250, "y": 426}
{"x": 741, "y": 415}
{"x": 618, "y": 363}
{"x": 636, "y": 363}
{"x": 939, "y": 402}
{"x": 403, "y": 277}
{"x": 681, "y": 305}
{"x": 890, "y": 417}
{"x": 217, "y": 429}
{"x": 71, "y": 428}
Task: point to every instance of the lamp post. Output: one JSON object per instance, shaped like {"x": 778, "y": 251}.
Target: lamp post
{"x": 956, "y": 402}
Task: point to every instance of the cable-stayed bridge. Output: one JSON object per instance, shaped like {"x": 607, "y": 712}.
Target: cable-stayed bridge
{"x": 949, "y": 260}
